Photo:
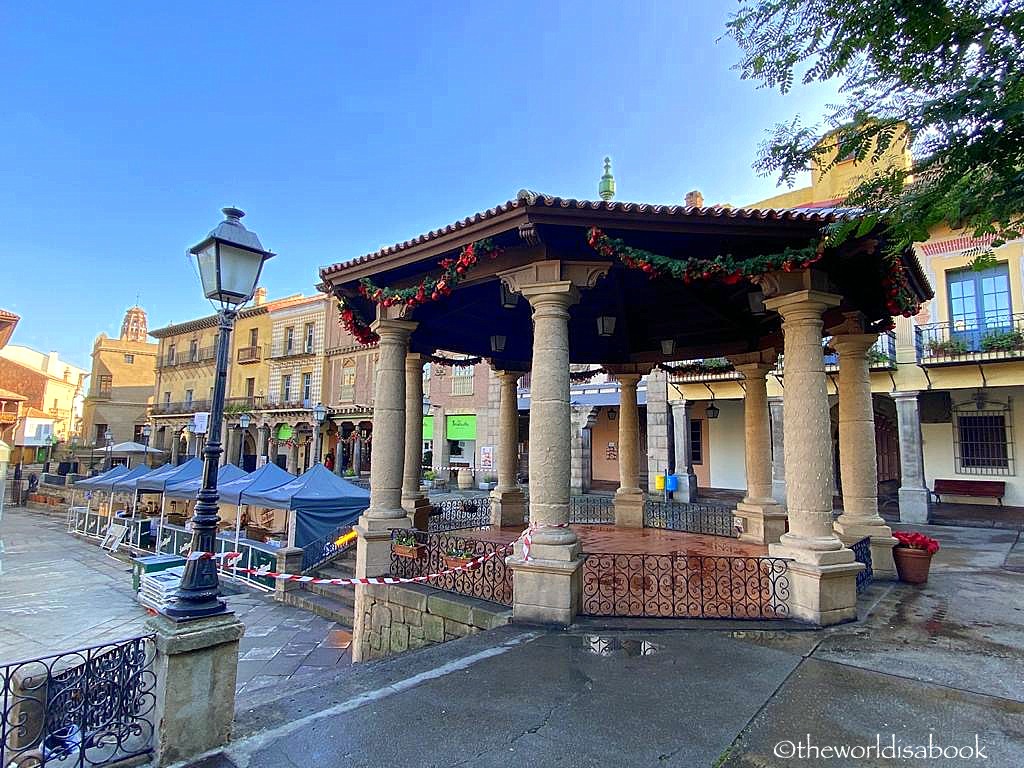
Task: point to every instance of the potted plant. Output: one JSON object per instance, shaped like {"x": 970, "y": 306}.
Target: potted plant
{"x": 405, "y": 545}
{"x": 458, "y": 557}
{"x": 946, "y": 348}
{"x": 489, "y": 482}
{"x": 913, "y": 555}
{"x": 1002, "y": 341}
{"x": 428, "y": 478}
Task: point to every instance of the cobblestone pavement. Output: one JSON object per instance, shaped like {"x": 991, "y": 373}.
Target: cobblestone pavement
{"x": 58, "y": 592}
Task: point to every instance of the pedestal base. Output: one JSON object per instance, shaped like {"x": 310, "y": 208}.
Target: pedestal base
{"x": 913, "y": 505}
{"x": 196, "y": 666}
{"x": 882, "y": 542}
{"x": 763, "y": 522}
{"x": 823, "y": 594}
{"x": 418, "y": 508}
{"x": 508, "y": 508}
{"x": 629, "y": 508}
{"x": 373, "y": 544}
{"x": 547, "y": 587}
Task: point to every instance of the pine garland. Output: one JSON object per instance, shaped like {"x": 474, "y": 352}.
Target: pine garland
{"x": 351, "y": 322}
{"x": 453, "y": 272}
{"x": 452, "y": 362}
{"x": 698, "y": 367}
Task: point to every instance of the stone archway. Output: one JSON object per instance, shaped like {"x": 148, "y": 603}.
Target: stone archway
{"x": 248, "y": 452}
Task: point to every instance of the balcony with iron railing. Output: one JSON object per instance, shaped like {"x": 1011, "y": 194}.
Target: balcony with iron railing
{"x": 184, "y": 406}
{"x": 198, "y": 356}
{"x": 243, "y": 404}
{"x": 252, "y": 354}
{"x": 296, "y": 350}
{"x": 997, "y": 338}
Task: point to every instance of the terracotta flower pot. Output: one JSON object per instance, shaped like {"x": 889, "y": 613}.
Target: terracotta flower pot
{"x": 410, "y": 552}
{"x": 912, "y": 564}
{"x": 451, "y": 562}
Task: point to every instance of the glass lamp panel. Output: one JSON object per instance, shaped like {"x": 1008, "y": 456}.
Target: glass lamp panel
{"x": 239, "y": 271}
{"x": 207, "y": 259}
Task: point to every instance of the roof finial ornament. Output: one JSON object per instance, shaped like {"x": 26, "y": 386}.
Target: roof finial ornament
{"x": 606, "y": 189}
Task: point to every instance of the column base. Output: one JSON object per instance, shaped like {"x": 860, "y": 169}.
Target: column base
{"x": 418, "y": 508}
{"x": 508, "y": 508}
{"x": 913, "y": 505}
{"x": 629, "y": 508}
{"x": 763, "y": 522}
{"x": 882, "y": 564}
{"x": 196, "y": 666}
{"x": 547, "y": 588}
{"x": 373, "y": 544}
{"x": 823, "y": 594}
{"x": 687, "y": 491}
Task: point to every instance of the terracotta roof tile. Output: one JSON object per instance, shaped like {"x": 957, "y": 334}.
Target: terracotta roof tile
{"x": 6, "y": 394}
{"x": 35, "y": 413}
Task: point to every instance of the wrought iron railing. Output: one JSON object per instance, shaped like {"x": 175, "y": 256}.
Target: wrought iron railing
{"x": 89, "y": 707}
{"x": 249, "y": 354}
{"x": 326, "y": 548}
{"x": 708, "y": 519}
{"x": 456, "y": 514}
{"x": 592, "y": 510}
{"x": 185, "y": 406}
{"x": 862, "y": 554}
{"x": 685, "y": 586}
{"x": 492, "y": 580}
{"x": 994, "y": 338}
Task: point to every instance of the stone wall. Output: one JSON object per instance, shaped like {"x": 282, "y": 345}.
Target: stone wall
{"x": 398, "y": 618}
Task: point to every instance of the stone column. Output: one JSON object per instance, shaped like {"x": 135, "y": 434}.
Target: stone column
{"x": 414, "y": 501}
{"x": 913, "y": 491}
{"x": 440, "y": 443}
{"x": 262, "y": 445}
{"x": 764, "y": 521}
{"x": 195, "y": 667}
{"x": 822, "y": 572}
{"x": 230, "y": 452}
{"x": 373, "y": 545}
{"x": 547, "y": 587}
{"x": 687, "y": 491}
{"x": 629, "y": 498}
{"x": 508, "y": 507}
{"x": 858, "y": 464}
{"x": 293, "y": 454}
{"x": 659, "y": 449}
{"x": 175, "y": 445}
{"x": 581, "y": 464}
{"x": 778, "y": 451}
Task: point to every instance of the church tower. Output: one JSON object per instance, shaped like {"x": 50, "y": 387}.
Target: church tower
{"x": 133, "y": 327}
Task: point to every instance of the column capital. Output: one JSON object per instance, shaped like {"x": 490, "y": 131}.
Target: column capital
{"x": 399, "y": 330}
{"x": 763, "y": 358}
{"x": 560, "y": 295}
{"x": 581, "y": 274}
{"x": 628, "y": 380}
{"x": 799, "y": 305}
{"x": 506, "y": 376}
{"x": 853, "y": 345}
{"x": 414, "y": 360}
{"x": 905, "y": 395}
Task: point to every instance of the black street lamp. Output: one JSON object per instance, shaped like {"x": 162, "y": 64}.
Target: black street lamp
{"x": 146, "y": 432}
{"x": 230, "y": 261}
{"x": 319, "y": 414}
{"x": 244, "y": 420}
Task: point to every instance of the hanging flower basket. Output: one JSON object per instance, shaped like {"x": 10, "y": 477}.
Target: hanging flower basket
{"x": 913, "y": 556}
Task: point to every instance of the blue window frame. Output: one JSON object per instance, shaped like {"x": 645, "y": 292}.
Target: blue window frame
{"x": 979, "y": 303}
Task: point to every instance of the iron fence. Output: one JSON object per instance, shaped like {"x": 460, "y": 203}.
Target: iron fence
{"x": 685, "y": 586}
{"x": 862, "y": 554}
{"x": 996, "y": 337}
{"x": 708, "y": 519}
{"x": 326, "y": 548}
{"x": 457, "y": 514}
{"x": 592, "y": 510}
{"x": 90, "y": 707}
{"x": 491, "y": 580}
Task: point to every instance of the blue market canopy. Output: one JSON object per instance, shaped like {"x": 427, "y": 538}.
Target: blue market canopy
{"x": 322, "y": 501}
{"x": 263, "y": 479}
{"x": 159, "y": 479}
{"x": 91, "y": 482}
{"x": 125, "y": 481}
{"x": 187, "y": 489}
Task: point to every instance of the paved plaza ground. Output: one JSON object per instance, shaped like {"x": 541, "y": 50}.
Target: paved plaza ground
{"x": 58, "y": 592}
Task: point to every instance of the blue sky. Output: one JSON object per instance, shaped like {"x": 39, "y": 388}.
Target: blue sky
{"x": 338, "y": 127}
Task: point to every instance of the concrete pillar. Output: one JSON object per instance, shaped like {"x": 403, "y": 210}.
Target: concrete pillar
{"x": 262, "y": 445}
{"x": 687, "y": 491}
{"x": 414, "y": 501}
{"x": 822, "y": 572}
{"x": 858, "y": 464}
{"x": 373, "y": 545}
{"x": 440, "y": 442}
{"x": 547, "y": 587}
{"x": 175, "y": 446}
{"x": 629, "y": 497}
{"x": 778, "y": 450}
{"x": 764, "y": 521}
{"x": 659, "y": 447}
{"x": 195, "y": 667}
{"x": 913, "y": 491}
{"x": 230, "y": 453}
{"x": 293, "y": 454}
{"x": 508, "y": 507}
{"x": 289, "y": 560}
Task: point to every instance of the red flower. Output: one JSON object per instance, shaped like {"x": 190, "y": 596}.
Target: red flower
{"x": 916, "y": 540}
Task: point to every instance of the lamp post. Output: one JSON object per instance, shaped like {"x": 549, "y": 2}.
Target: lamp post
{"x": 146, "y": 432}
{"x": 319, "y": 414}
{"x": 230, "y": 260}
{"x": 244, "y": 420}
{"x": 109, "y": 437}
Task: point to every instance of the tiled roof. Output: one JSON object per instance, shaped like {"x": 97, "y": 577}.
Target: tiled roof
{"x": 527, "y": 199}
{"x": 35, "y": 413}
{"x": 5, "y": 315}
{"x": 6, "y": 394}
{"x": 956, "y": 244}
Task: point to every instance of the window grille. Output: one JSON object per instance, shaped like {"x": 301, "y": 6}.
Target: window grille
{"x": 462, "y": 380}
{"x": 983, "y": 438}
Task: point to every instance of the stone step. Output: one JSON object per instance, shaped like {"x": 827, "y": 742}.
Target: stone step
{"x": 322, "y": 605}
{"x": 345, "y": 595}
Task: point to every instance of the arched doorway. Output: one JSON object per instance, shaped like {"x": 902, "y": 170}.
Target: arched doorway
{"x": 887, "y": 446}
{"x": 183, "y": 447}
{"x": 248, "y": 452}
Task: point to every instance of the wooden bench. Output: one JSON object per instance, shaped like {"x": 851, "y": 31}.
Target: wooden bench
{"x": 984, "y": 489}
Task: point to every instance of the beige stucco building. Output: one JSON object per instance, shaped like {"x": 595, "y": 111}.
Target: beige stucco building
{"x": 50, "y": 385}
